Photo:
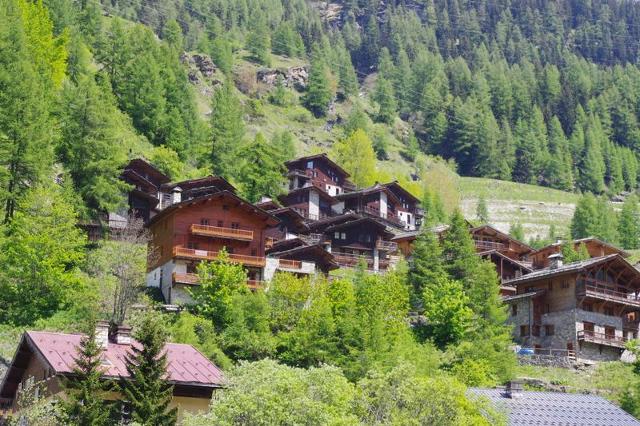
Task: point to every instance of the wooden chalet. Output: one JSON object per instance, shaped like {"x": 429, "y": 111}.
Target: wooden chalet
{"x": 595, "y": 247}
{"x": 44, "y": 359}
{"x": 197, "y": 229}
{"x": 487, "y": 238}
{"x": 589, "y": 308}
{"x": 146, "y": 180}
{"x": 319, "y": 171}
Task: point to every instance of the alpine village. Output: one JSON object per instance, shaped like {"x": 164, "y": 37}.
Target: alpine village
{"x": 309, "y": 212}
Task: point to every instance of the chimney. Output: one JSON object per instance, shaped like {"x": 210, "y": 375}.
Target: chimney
{"x": 176, "y": 195}
{"x": 555, "y": 260}
{"x": 102, "y": 333}
{"x": 514, "y": 389}
{"x": 123, "y": 335}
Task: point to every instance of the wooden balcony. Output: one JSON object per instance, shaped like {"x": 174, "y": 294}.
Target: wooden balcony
{"x": 311, "y": 239}
{"x": 352, "y": 260}
{"x": 601, "y": 338}
{"x": 194, "y": 279}
{"x": 187, "y": 253}
{"x": 289, "y": 264}
{"x": 489, "y": 245}
{"x": 186, "y": 278}
{"x": 594, "y": 289}
{"x": 389, "y": 246}
{"x": 389, "y": 217}
{"x": 222, "y": 232}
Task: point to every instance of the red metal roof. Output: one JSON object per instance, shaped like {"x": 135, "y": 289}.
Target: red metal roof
{"x": 185, "y": 364}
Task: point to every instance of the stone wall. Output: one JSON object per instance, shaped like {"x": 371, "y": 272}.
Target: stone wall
{"x": 524, "y": 316}
{"x": 546, "y": 361}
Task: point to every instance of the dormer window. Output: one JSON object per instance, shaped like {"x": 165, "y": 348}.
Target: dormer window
{"x": 309, "y": 164}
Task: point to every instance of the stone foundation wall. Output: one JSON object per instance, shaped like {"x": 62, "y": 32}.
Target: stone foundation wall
{"x": 546, "y": 361}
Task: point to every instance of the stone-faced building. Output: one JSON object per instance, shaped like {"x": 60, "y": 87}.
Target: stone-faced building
{"x": 589, "y": 307}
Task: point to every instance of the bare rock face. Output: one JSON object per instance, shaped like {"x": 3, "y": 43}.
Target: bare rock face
{"x": 200, "y": 71}
{"x": 204, "y": 64}
{"x": 295, "y": 77}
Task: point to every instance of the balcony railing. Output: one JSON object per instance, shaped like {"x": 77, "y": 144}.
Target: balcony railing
{"x": 597, "y": 290}
{"x": 601, "y": 338}
{"x": 390, "y": 246}
{"x": 372, "y": 211}
{"x": 351, "y": 260}
{"x": 222, "y": 232}
{"x": 311, "y": 216}
{"x": 311, "y": 239}
{"x": 489, "y": 245}
{"x": 289, "y": 264}
{"x": 213, "y": 255}
{"x": 186, "y": 278}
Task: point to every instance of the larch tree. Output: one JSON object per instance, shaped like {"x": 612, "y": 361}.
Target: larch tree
{"x": 629, "y": 224}
{"x": 357, "y": 156}
{"x": 227, "y": 128}
{"x": 261, "y": 172}
{"x": 319, "y": 91}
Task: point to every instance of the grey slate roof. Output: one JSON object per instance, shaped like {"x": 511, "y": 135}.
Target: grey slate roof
{"x": 569, "y": 267}
{"x": 555, "y": 408}
{"x": 507, "y": 299}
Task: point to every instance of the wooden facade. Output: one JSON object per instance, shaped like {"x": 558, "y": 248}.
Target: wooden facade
{"x": 594, "y": 246}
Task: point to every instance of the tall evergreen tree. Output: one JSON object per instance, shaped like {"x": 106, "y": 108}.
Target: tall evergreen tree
{"x": 86, "y": 390}
{"x": 319, "y": 92}
{"x": 146, "y": 389}
{"x": 482, "y": 212}
{"x": 261, "y": 173}
{"x": 629, "y": 224}
{"x": 227, "y": 128}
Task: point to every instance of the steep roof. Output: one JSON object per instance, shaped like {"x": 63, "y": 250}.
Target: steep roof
{"x": 581, "y": 241}
{"x": 282, "y": 198}
{"x": 555, "y": 408}
{"x": 396, "y": 185}
{"x": 359, "y": 222}
{"x": 525, "y": 248}
{"x": 515, "y": 263}
{"x": 207, "y": 181}
{"x": 366, "y": 191}
{"x": 185, "y": 364}
{"x": 267, "y": 216}
{"x": 573, "y": 267}
{"x": 155, "y": 176}
{"x": 323, "y": 157}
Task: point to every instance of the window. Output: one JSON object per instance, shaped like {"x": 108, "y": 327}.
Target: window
{"x": 367, "y": 238}
{"x": 524, "y": 330}
{"x": 229, "y": 250}
{"x": 343, "y": 235}
{"x": 192, "y": 245}
{"x": 565, "y": 284}
{"x": 204, "y": 221}
{"x": 549, "y": 330}
{"x": 336, "y": 235}
{"x": 587, "y": 307}
{"x": 608, "y": 311}
{"x": 535, "y": 330}
{"x": 220, "y": 224}
{"x": 309, "y": 164}
{"x": 514, "y": 310}
{"x": 235, "y": 225}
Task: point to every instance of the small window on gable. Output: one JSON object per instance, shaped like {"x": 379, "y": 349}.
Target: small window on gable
{"x": 565, "y": 284}
{"x": 336, "y": 235}
{"x": 235, "y": 225}
{"x": 343, "y": 235}
{"x": 309, "y": 164}
{"x": 220, "y": 224}
{"x": 514, "y": 310}
{"x": 204, "y": 221}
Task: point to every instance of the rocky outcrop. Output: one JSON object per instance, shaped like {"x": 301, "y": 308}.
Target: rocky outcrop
{"x": 201, "y": 71}
{"x": 295, "y": 77}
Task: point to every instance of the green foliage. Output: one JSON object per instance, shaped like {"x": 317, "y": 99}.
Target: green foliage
{"x": 446, "y": 310}
{"x": 594, "y": 217}
{"x": 42, "y": 251}
{"x": 222, "y": 54}
{"x": 357, "y": 156}
{"x": 319, "y": 92}
{"x": 259, "y": 42}
{"x": 261, "y": 173}
{"x": 570, "y": 254}
{"x": 516, "y": 230}
{"x": 629, "y": 224}
{"x": 482, "y": 212}
{"x": 85, "y": 390}
{"x": 147, "y": 389}
{"x": 219, "y": 280}
{"x": 227, "y": 128}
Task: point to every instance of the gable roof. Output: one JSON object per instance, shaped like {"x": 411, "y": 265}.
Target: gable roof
{"x": 555, "y": 408}
{"x": 581, "y": 241}
{"x": 267, "y": 216}
{"x": 516, "y": 263}
{"x": 396, "y": 185}
{"x": 324, "y": 157}
{"x": 324, "y": 194}
{"x": 573, "y": 267}
{"x": 359, "y": 222}
{"x": 525, "y": 248}
{"x": 366, "y": 191}
{"x": 185, "y": 364}
{"x": 204, "y": 182}
{"x": 155, "y": 176}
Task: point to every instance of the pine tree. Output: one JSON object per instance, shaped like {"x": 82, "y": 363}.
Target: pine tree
{"x": 348, "y": 80}
{"x": 585, "y": 218}
{"x": 629, "y": 224}
{"x": 86, "y": 390}
{"x": 227, "y": 128}
{"x": 425, "y": 266}
{"x": 222, "y": 54}
{"x": 482, "y": 212}
{"x": 459, "y": 249}
{"x": 319, "y": 92}
{"x": 516, "y": 231}
{"x": 146, "y": 389}
{"x": 259, "y": 42}
{"x": 261, "y": 173}
{"x": 386, "y": 100}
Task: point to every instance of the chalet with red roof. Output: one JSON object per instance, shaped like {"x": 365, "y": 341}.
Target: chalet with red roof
{"x": 47, "y": 357}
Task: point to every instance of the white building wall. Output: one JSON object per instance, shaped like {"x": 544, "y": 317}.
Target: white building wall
{"x": 383, "y": 204}
{"x": 333, "y": 190}
{"x": 314, "y": 204}
{"x": 338, "y": 208}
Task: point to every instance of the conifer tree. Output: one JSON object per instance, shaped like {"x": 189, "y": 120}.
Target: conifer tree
{"x": 319, "y": 92}
{"x": 222, "y": 55}
{"x": 516, "y": 231}
{"x": 482, "y": 212}
{"x": 146, "y": 389}
{"x": 227, "y": 128}
{"x": 629, "y": 224}
{"x": 386, "y": 100}
{"x": 262, "y": 172}
{"x": 426, "y": 265}
{"x": 259, "y": 42}
{"x": 459, "y": 249}
{"x": 348, "y": 81}
{"x": 86, "y": 390}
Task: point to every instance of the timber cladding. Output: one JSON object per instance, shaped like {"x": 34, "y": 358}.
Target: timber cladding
{"x": 174, "y": 230}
